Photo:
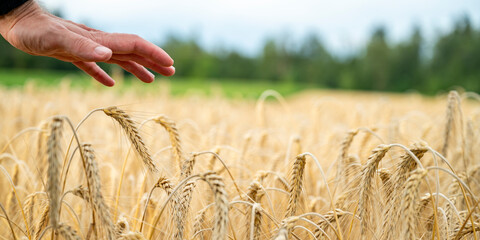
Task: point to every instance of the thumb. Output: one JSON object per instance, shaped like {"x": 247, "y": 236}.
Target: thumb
{"x": 86, "y": 49}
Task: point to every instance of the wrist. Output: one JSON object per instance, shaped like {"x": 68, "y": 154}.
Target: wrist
{"x": 9, "y": 20}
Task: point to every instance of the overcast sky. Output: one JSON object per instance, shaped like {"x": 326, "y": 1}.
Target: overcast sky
{"x": 343, "y": 25}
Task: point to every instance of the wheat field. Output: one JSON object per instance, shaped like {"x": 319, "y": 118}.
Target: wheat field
{"x": 101, "y": 164}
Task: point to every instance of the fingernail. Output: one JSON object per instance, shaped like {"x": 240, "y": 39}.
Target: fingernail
{"x": 102, "y": 51}
{"x": 151, "y": 75}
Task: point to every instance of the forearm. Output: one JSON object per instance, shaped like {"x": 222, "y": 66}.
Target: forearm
{"x": 8, "y": 5}
{"x": 9, "y": 19}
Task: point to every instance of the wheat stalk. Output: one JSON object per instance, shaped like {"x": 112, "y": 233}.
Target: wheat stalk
{"x": 9, "y": 221}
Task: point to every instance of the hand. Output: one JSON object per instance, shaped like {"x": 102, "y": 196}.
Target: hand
{"x": 37, "y": 32}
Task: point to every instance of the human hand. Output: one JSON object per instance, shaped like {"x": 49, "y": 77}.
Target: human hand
{"x": 37, "y": 32}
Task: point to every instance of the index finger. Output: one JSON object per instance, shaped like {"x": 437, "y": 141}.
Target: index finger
{"x": 122, "y": 43}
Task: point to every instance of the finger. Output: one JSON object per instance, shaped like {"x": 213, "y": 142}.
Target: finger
{"x": 166, "y": 71}
{"x": 135, "y": 69}
{"x": 96, "y": 72}
{"x": 128, "y": 43}
{"x": 84, "y": 48}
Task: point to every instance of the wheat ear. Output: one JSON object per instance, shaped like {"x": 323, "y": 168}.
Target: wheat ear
{"x": 121, "y": 227}
{"x": 408, "y": 205}
{"x": 296, "y": 182}
{"x": 131, "y": 130}
{"x": 468, "y": 230}
{"x": 81, "y": 192}
{"x": 182, "y": 201}
{"x": 327, "y": 221}
{"x": 396, "y": 184}
{"x": 42, "y": 139}
{"x": 162, "y": 183}
{"x": 221, "y": 204}
{"x": 182, "y": 204}
{"x": 11, "y": 199}
{"x": 198, "y": 222}
{"x": 256, "y": 222}
{"x": 94, "y": 182}
{"x": 403, "y": 169}
{"x": 43, "y": 222}
{"x": 54, "y": 155}
{"x": 366, "y": 186}
{"x": 67, "y": 232}
{"x": 343, "y": 158}
{"x": 212, "y": 160}
{"x": 450, "y": 115}
{"x": 172, "y": 130}
{"x": 29, "y": 209}
{"x": 255, "y": 194}
{"x": 286, "y": 228}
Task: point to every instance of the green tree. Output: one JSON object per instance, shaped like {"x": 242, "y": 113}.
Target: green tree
{"x": 456, "y": 58}
{"x": 316, "y": 66}
{"x": 406, "y": 67}
{"x": 377, "y": 62}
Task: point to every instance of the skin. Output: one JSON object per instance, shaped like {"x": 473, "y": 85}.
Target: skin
{"x": 36, "y": 32}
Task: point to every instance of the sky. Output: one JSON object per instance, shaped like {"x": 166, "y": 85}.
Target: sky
{"x": 344, "y": 26}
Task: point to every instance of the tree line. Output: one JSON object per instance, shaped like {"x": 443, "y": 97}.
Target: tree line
{"x": 453, "y": 60}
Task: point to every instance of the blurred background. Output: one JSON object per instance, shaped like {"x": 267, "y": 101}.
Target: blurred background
{"x": 422, "y": 46}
